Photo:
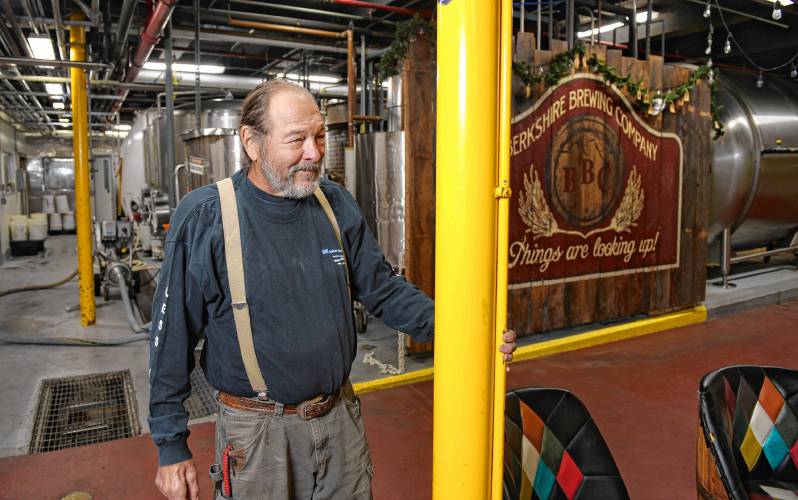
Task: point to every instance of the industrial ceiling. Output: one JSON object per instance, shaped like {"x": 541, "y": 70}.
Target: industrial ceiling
{"x": 242, "y": 42}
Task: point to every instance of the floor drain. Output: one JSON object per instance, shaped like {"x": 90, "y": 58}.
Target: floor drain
{"x": 201, "y": 403}
{"x": 77, "y": 411}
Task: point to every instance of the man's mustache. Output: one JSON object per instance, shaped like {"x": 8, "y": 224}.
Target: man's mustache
{"x": 305, "y": 167}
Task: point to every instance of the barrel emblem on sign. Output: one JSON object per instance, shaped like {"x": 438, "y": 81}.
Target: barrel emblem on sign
{"x": 585, "y": 171}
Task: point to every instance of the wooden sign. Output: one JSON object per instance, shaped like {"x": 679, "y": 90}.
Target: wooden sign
{"x": 597, "y": 191}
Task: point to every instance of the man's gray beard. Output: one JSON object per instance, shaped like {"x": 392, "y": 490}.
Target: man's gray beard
{"x": 287, "y": 185}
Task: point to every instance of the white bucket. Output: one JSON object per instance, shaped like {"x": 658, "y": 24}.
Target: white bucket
{"x": 61, "y": 204}
{"x": 69, "y": 221}
{"x": 156, "y": 246}
{"x": 19, "y": 227}
{"x": 48, "y": 203}
{"x": 39, "y": 216}
{"x": 145, "y": 236}
{"x": 55, "y": 222}
{"x": 37, "y": 229}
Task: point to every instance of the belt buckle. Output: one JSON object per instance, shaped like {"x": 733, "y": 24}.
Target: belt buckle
{"x": 313, "y": 408}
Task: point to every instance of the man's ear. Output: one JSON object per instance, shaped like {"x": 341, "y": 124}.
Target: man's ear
{"x": 249, "y": 138}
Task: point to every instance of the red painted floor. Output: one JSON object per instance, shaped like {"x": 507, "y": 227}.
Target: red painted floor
{"x": 641, "y": 392}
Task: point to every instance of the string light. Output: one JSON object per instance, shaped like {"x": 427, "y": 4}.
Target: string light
{"x": 708, "y": 10}
{"x": 794, "y": 71}
{"x": 776, "y": 11}
{"x": 760, "y": 82}
{"x": 727, "y": 47}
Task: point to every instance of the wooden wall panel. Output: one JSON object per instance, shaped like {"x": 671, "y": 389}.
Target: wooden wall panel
{"x": 418, "y": 117}
{"x": 557, "y": 304}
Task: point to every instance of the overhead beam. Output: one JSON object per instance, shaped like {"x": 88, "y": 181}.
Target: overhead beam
{"x": 29, "y": 61}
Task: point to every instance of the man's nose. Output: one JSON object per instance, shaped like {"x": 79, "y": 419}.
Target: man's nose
{"x": 312, "y": 151}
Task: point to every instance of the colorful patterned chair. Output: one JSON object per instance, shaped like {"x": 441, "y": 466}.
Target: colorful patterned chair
{"x": 749, "y": 423}
{"x": 553, "y": 450}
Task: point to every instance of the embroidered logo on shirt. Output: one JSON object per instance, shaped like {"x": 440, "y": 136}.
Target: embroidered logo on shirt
{"x": 336, "y": 253}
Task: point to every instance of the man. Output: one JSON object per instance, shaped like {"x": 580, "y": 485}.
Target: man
{"x": 290, "y": 252}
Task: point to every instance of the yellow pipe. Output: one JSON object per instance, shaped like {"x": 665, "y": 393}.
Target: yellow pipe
{"x": 465, "y": 253}
{"x": 503, "y": 194}
{"x": 80, "y": 146}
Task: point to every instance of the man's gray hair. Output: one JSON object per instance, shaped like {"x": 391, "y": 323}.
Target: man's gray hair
{"x": 255, "y": 110}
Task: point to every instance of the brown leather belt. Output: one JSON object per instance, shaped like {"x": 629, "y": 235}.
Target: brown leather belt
{"x": 305, "y": 410}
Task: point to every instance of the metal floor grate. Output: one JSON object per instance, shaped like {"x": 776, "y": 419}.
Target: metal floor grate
{"x": 77, "y": 411}
{"x": 201, "y": 403}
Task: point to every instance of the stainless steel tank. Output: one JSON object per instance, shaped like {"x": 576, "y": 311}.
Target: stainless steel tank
{"x": 380, "y": 163}
{"x": 213, "y": 151}
{"x": 754, "y": 171}
{"x": 336, "y": 139}
{"x": 394, "y": 104}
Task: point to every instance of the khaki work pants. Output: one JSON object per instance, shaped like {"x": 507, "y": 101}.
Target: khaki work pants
{"x": 283, "y": 457}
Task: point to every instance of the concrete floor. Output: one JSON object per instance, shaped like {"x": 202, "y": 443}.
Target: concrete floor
{"x": 633, "y": 412}
{"x": 44, "y": 314}
{"x": 641, "y": 393}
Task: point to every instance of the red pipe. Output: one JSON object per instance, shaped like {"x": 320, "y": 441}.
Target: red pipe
{"x": 377, "y": 6}
{"x": 150, "y": 36}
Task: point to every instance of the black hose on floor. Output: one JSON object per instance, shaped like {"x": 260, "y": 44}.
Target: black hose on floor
{"x": 73, "y": 341}
{"x": 38, "y": 287}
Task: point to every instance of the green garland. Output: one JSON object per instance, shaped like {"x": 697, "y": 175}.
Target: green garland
{"x": 390, "y": 63}
{"x": 646, "y": 99}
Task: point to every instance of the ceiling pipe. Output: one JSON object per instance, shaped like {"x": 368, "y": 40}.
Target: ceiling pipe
{"x": 26, "y": 61}
{"x": 238, "y": 36}
{"x": 350, "y": 83}
{"x": 222, "y": 15}
{"x": 378, "y": 6}
{"x": 306, "y": 10}
{"x": 241, "y": 55}
{"x": 59, "y": 31}
{"x": 125, "y": 19}
{"x": 9, "y": 40}
{"x": 350, "y": 59}
{"x": 49, "y": 22}
{"x": 239, "y": 23}
{"x": 11, "y": 18}
{"x": 150, "y": 36}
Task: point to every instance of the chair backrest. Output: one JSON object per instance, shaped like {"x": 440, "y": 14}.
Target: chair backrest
{"x": 748, "y": 414}
{"x": 554, "y": 450}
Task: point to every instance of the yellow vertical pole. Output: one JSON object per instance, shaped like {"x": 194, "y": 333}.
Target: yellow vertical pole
{"x": 80, "y": 147}
{"x": 465, "y": 253}
{"x": 503, "y": 194}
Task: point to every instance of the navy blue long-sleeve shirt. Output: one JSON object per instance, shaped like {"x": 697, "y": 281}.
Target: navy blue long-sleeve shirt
{"x": 300, "y": 310}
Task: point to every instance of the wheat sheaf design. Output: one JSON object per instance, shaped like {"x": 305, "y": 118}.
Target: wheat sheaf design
{"x": 535, "y": 213}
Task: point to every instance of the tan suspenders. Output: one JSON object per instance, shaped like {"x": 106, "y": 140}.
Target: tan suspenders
{"x": 235, "y": 277}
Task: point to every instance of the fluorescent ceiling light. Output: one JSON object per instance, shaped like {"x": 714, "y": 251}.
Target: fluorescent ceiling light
{"x": 58, "y": 105}
{"x": 54, "y": 88}
{"x": 603, "y": 29}
{"x": 122, "y": 126}
{"x": 64, "y": 120}
{"x": 213, "y": 69}
{"x": 784, "y": 3}
{"x": 42, "y": 47}
{"x": 312, "y": 78}
{"x": 642, "y": 16}
{"x": 116, "y": 133}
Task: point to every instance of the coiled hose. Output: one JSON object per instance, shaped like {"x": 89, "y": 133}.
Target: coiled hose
{"x": 32, "y": 288}
{"x": 141, "y": 331}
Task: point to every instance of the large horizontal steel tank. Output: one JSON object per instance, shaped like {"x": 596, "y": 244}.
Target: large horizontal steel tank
{"x": 754, "y": 171}
{"x": 213, "y": 151}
